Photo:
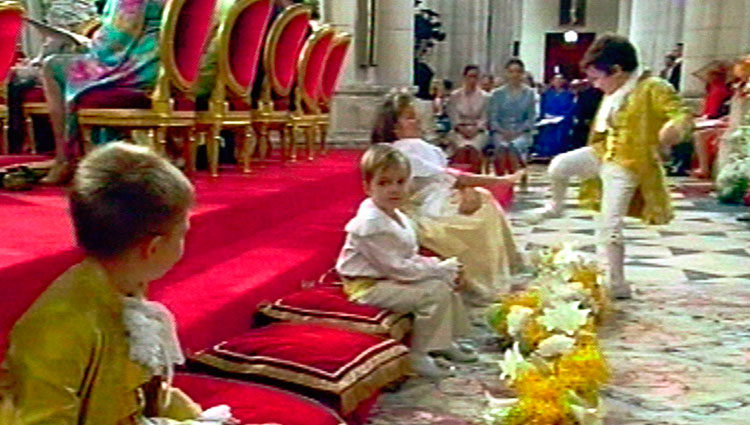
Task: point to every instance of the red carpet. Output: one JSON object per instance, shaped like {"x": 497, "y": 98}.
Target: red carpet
{"x": 253, "y": 238}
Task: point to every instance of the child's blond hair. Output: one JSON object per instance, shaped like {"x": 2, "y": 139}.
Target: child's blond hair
{"x": 381, "y": 156}
{"x": 122, "y": 193}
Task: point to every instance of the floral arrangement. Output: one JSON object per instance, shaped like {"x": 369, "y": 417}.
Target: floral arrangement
{"x": 554, "y": 365}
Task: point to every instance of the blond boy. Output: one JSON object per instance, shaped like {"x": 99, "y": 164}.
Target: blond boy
{"x": 381, "y": 264}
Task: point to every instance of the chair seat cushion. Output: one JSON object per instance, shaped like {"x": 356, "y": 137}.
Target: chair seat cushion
{"x": 115, "y": 98}
{"x": 337, "y": 366}
{"x": 330, "y": 305}
{"x": 254, "y": 403}
{"x": 34, "y": 94}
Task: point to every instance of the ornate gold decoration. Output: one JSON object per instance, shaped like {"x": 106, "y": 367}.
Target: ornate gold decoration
{"x": 219, "y": 114}
{"x": 162, "y": 114}
{"x": 307, "y": 110}
{"x": 266, "y": 117}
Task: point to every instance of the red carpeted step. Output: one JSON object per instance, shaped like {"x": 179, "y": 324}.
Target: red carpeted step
{"x": 219, "y": 301}
{"x": 10, "y": 160}
{"x": 235, "y": 233}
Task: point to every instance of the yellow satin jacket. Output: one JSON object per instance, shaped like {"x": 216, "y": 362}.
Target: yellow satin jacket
{"x": 68, "y": 359}
{"x": 632, "y": 141}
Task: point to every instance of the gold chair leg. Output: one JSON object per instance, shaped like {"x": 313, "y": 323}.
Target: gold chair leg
{"x": 323, "y": 135}
{"x": 249, "y": 143}
{"x": 264, "y": 142}
{"x": 4, "y": 142}
{"x": 287, "y": 140}
{"x": 296, "y": 130}
{"x": 160, "y": 144}
{"x": 29, "y": 138}
{"x": 212, "y": 149}
{"x": 87, "y": 139}
{"x": 312, "y": 139}
{"x": 189, "y": 151}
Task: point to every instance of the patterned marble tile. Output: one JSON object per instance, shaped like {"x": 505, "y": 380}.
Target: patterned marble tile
{"x": 679, "y": 350}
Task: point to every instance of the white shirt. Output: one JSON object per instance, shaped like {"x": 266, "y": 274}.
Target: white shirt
{"x": 612, "y": 102}
{"x": 377, "y": 246}
{"x": 433, "y": 185}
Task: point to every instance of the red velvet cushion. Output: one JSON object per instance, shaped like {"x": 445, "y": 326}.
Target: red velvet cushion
{"x": 288, "y": 49}
{"x": 350, "y": 366}
{"x": 34, "y": 94}
{"x": 334, "y": 66}
{"x": 114, "y": 97}
{"x": 315, "y": 67}
{"x": 254, "y": 403}
{"x": 10, "y": 28}
{"x": 191, "y": 36}
{"x": 330, "y": 305}
{"x": 247, "y": 39}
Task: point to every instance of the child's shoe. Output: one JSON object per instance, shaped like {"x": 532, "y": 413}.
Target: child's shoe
{"x": 456, "y": 354}
{"x": 425, "y": 366}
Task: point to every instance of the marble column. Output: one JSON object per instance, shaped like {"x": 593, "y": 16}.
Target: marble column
{"x": 655, "y": 27}
{"x": 624, "y": 13}
{"x": 714, "y": 30}
{"x": 362, "y": 87}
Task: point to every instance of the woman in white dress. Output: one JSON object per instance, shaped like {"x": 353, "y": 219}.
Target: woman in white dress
{"x": 454, "y": 216}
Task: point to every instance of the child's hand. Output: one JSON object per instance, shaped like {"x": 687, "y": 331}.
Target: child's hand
{"x": 450, "y": 267}
{"x": 516, "y": 177}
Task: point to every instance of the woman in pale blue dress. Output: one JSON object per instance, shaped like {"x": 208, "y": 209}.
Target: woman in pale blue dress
{"x": 511, "y": 116}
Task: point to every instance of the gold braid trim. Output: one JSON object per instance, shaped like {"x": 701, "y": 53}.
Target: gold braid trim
{"x": 353, "y": 388}
{"x": 395, "y": 325}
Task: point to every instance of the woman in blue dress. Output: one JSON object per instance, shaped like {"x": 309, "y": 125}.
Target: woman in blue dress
{"x": 557, "y": 101}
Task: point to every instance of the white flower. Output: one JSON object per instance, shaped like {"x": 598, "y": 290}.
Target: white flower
{"x": 513, "y": 363}
{"x": 564, "y": 316}
{"x": 555, "y": 345}
{"x": 517, "y": 318}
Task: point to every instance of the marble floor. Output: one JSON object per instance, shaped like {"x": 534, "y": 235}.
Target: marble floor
{"x": 679, "y": 350}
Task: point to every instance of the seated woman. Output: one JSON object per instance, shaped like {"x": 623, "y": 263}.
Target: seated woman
{"x": 454, "y": 218}
{"x": 467, "y": 108}
{"x": 511, "y": 113}
{"x": 123, "y": 53}
{"x": 557, "y": 101}
{"x": 717, "y": 92}
{"x": 734, "y": 148}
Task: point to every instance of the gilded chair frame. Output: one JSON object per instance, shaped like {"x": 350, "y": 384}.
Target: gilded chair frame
{"x": 162, "y": 114}
{"x": 219, "y": 114}
{"x": 265, "y": 116}
{"x": 324, "y": 118}
{"x": 4, "y": 125}
{"x": 307, "y": 113}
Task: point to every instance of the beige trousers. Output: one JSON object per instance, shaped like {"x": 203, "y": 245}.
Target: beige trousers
{"x": 439, "y": 313}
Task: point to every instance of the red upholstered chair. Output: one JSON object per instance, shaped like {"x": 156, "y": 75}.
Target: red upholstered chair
{"x": 333, "y": 70}
{"x": 310, "y": 68}
{"x": 255, "y": 403}
{"x": 182, "y": 38}
{"x": 283, "y": 44}
{"x": 240, "y": 36}
{"x": 11, "y": 22}
{"x": 34, "y": 104}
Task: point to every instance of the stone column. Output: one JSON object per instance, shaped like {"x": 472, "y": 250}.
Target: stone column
{"x": 395, "y": 42}
{"x": 713, "y": 30}
{"x": 362, "y": 87}
{"x": 502, "y": 35}
{"x": 624, "y": 13}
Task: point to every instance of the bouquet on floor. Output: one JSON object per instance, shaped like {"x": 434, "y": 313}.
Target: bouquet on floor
{"x": 554, "y": 365}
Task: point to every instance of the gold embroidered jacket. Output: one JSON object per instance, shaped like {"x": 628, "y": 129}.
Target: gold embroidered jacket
{"x": 632, "y": 141}
{"x": 68, "y": 360}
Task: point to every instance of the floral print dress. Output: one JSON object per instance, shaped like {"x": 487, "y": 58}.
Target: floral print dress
{"x": 124, "y": 53}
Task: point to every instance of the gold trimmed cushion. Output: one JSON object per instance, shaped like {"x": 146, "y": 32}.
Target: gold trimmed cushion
{"x": 330, "y": 305}
{"x": 344, "y": 366}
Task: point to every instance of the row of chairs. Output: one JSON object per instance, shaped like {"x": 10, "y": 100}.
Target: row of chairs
{"x": 295, "y": 62}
